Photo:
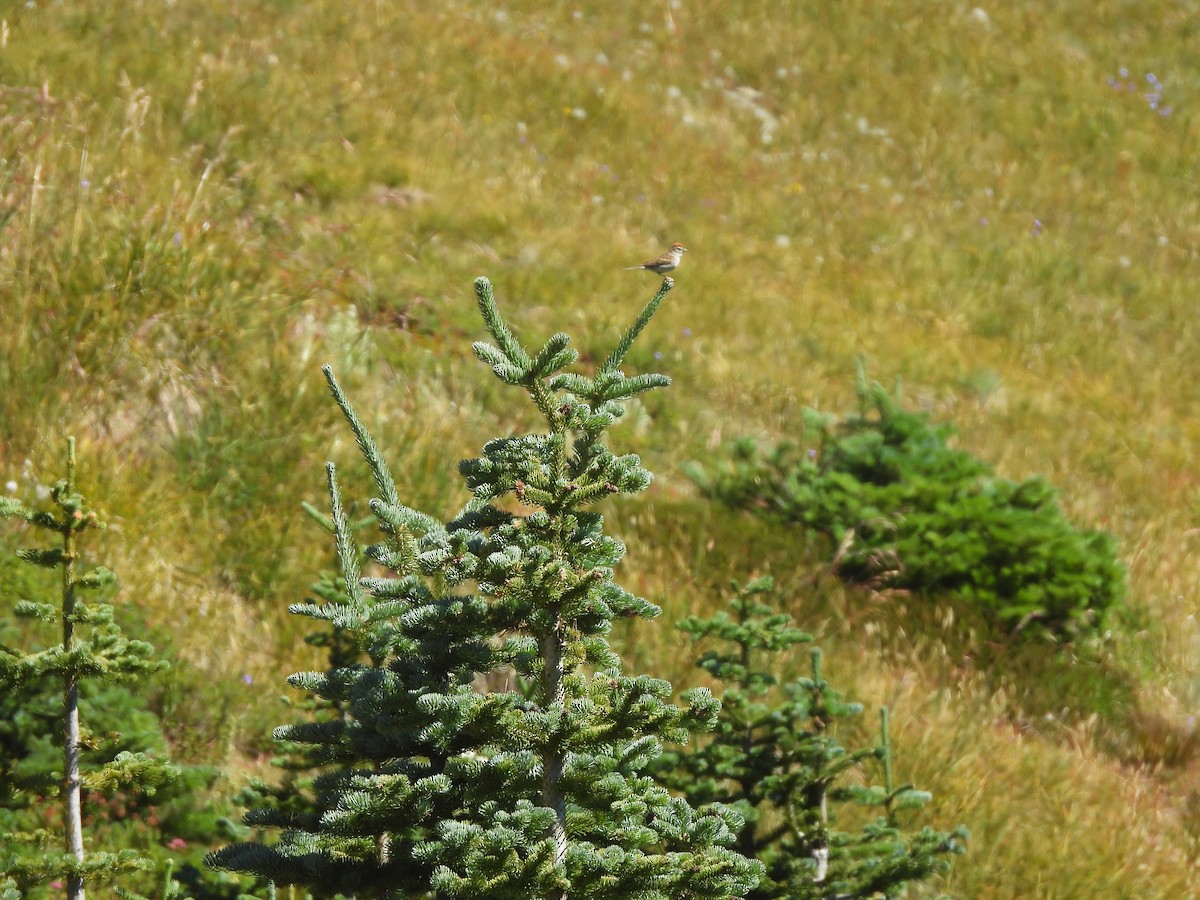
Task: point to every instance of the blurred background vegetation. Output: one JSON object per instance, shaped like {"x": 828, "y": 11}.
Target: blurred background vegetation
{"x": 995, "y": 206}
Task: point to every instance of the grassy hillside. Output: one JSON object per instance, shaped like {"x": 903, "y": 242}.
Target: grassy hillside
{"x": 200, "y": 203}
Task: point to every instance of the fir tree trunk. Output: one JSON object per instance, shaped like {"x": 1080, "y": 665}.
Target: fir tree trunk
{"x": 73, "y": 812}
{"x": 553, "y": 646}
{"x": 382, "y": 854}
{"x": 747, "y": 843}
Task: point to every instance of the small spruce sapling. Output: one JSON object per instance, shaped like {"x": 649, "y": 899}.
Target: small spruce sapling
{"x": 91, "y": 647}
{"x": 775, "y": 759}
{"x": 539, "y": 791}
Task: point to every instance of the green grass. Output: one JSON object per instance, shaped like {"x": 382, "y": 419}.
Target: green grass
{"x": 201, "y": 203}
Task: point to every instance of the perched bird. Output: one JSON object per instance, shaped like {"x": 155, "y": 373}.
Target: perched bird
{"x": 666, "y": 263}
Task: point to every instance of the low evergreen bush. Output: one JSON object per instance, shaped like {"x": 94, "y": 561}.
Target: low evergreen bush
{"x": 902, "y": 508}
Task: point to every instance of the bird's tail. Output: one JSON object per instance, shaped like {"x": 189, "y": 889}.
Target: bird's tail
{"x": 631, "y": 268}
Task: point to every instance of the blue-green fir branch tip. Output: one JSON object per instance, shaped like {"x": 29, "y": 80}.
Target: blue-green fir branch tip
{"x": 618, "y": 355}
{"x": 486, "y": 299}
{"x": 347, "y": 553}
{"x": 383, "y": 476}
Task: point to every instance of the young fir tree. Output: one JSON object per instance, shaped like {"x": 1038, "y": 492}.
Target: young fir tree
{"x": 302, "y": 763}
{"x": 542, "y": 791}
{"x": 776, "y": 761}
{"x": 91, "y": 647}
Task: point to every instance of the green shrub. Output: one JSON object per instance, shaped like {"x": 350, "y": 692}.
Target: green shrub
{"x": 903, "y": 508}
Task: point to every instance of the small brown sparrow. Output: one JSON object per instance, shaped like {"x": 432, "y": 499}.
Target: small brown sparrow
{"x": 666, "y": 263}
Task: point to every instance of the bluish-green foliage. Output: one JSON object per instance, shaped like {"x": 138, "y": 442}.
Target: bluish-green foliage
{"x": 776, "y": 758}
{"x": 294, "y": 798}
{"x": 540, "y": 786}
{"x": 906, "y": 510}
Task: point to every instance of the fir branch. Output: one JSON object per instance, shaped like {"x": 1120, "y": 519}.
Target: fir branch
{"x": 554, "y": 356}
{"x": 347, "y": 552}
{"x": 12, "y": 508}
{"x": 618, "y": 355}
{"x": 486, "y": 299}
{"x": 96, "y": 578}
{"x": 637, "y": 384}
{"x": 321, "y": 518}
{"x": 511, "y": 362}
{"x": 46, "y": 559}
{"x": 401, "y": 518}
{"x": 131, "y": 769}
{"x": 383, "y": 476}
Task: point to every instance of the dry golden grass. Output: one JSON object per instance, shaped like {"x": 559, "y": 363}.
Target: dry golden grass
{"x": 200, "y": 203}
